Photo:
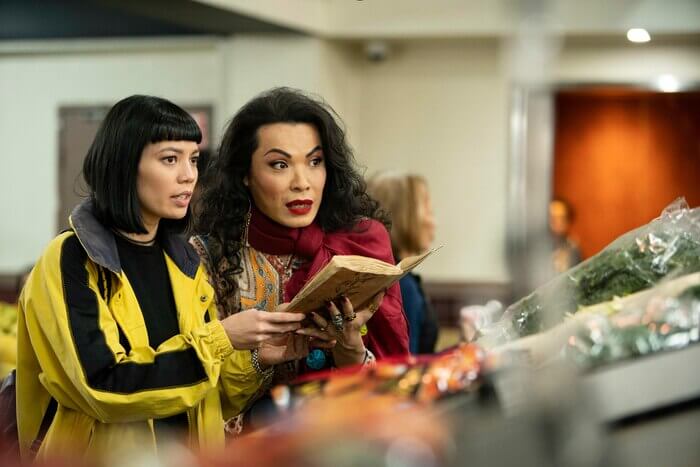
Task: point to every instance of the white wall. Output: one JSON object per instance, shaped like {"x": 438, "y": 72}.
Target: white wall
{"x": 33, "y": 87}
{"x": 439, "y": 108}
{"x": 405, "y": 19}
{"x": 37, "y": 78}
{"x": 254, "y": 64}
{"x": 627, "y": 63}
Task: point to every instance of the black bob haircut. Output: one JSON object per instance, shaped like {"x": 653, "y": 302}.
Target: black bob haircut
{"x": 111, "y": 165}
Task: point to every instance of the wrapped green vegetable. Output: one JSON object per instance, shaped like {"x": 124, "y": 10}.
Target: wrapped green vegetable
{"x": 667, "y": 247}
{"x": 662, "y": 323}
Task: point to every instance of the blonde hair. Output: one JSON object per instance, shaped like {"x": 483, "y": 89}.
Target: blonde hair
{"x": 397, "y": 194}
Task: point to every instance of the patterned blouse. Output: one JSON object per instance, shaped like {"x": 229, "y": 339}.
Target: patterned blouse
{"x": 261, "y": 285}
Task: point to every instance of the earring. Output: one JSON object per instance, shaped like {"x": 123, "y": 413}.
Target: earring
{"x": 248, "y": 215}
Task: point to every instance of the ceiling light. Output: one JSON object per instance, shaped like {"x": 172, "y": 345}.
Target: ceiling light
{"x": 668, "y": 83}
{"x": 638, "y": 35}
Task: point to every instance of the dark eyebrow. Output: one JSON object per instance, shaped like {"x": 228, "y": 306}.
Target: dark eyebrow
{"x": 279, "y": 151}
{"x": 179, "y": 151}
{"x": 317, "y": 148}
{"x": 286, "y": 154}
{"x": 171, "y": 148}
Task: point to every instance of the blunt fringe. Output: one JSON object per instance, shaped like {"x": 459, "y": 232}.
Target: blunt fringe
{"x": 111, "y": 165}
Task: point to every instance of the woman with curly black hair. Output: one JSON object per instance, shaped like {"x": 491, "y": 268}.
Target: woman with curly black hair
{"x": 280, "y": 200}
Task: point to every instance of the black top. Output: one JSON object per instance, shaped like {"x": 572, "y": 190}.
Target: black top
{"x": 148, "y": 275}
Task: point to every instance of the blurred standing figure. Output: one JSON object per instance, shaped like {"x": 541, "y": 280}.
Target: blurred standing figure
{"x": 406, "y": 199}
{"x": 565, "y": 252}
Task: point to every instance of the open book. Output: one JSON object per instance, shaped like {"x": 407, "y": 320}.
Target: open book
{"x": 358, "y": 277}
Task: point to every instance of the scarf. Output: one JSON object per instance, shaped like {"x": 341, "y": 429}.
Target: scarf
{"x": 387, "y": 329}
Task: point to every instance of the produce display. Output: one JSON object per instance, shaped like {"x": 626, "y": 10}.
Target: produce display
{"x": 8, "y": 338}
{"x": 667, "y": 247}
{"x": 372, "y": 416}
{"x": 657, "y": 322}
{"x": 423, "y": 379}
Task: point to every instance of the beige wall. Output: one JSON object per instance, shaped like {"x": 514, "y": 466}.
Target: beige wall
{"x": 439, "y": 107}
{"x": 628, "y": 63}
{"x": 32, "y": 88}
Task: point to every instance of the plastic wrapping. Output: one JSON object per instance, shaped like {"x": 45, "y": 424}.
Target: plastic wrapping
{"x": 667, "y": 247}
{"x": 660, "y": 318}
{"x": 655, "y": 323}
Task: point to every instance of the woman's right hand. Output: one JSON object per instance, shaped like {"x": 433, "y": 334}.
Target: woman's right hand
{"x": 247, "y": 329}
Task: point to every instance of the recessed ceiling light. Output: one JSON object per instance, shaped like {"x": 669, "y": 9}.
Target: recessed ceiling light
{"x": 638, "y": 35}
{"x": 667, "y": 83}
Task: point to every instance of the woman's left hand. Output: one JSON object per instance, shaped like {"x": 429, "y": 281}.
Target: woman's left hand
{"x": 344, "y": 326}
{"x": 283, "y": 349}
{"x": 290, "y": 346}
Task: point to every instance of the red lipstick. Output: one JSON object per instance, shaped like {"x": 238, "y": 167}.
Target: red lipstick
{"x": 300, "y": 207}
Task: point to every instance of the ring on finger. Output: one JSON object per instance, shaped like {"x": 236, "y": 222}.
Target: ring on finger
{"x": 320, "y": 322}
{"x": 337, "y": 321}
{"x": 351, "y": 317}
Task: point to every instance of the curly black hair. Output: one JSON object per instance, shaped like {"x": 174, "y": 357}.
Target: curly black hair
{"x": 224, "y": 200}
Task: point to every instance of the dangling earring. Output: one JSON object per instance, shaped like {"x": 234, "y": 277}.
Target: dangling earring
{"x": 248, "y": 215}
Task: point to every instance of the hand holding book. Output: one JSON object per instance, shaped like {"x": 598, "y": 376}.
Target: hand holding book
{"x": 358, "y": 278}
{"x": 343, "y": 325}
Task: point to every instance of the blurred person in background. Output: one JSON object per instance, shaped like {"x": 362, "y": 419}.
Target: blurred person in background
{"x": 565, "y": 252}
{"x": 283, "y": 197}
{"x": 119, "y": 341}
{"x": 406, "y": 199}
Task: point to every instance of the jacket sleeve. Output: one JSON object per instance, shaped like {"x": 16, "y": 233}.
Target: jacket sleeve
{"x": 240, "y": 384}
{"x": 85, "y": 367}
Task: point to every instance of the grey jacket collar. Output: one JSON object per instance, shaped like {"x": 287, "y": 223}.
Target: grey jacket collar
{"x": 101, "y": 247}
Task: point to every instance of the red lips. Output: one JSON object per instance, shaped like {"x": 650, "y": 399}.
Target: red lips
{"x": 300, "y": 207}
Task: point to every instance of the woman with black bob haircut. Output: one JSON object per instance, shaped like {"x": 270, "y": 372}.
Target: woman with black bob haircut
{"x": 111, "y": 166}
{"x": 119, "y": 342}
{"x": 280, "y": 200}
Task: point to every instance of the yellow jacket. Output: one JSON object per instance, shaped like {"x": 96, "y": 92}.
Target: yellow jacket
{"x": 82, "y": 341}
